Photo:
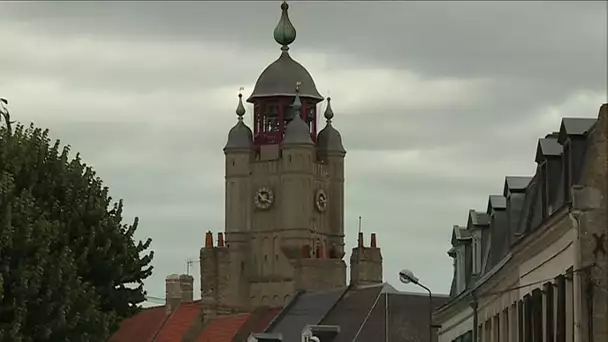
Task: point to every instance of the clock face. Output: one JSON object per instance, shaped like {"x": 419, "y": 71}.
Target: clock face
{"x": 321, "y": 200}
{"x": 263, "y": 198}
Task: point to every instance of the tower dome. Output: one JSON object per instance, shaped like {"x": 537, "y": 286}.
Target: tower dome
{"x": 280, "y": 76}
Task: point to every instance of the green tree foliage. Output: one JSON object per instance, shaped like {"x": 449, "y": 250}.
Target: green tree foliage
{"x": 70, "y": 270}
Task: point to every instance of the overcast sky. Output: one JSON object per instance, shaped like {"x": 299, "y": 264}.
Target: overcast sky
{"x": 437, "y": 102}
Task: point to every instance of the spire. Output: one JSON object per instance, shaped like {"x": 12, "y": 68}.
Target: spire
{"x": 240, "y": 136}
{"x": 297, "y": 131}
{"x": 284, "y": 33}
{"x": 329, "y": 113}
{"x": 297, "y": 104}
{"x": 240, "y": 109}
{"x": 329, "y": 139}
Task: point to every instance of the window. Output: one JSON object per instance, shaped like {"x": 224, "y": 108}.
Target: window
{"x": 544, "y": 188}
{"x": 567, "y": 170}
{"x": 549, "y": 315}
{"x": 476, "y": 254}
{"x": 460, "y": 269}
{"x": 560, "y": 335}
{"x": 537, "y": 315}
{"x": 496, "y": 329}
{"x": 505, "y": 333}
{"x": 528, "y": 312}
{"x": 468, "y": 336}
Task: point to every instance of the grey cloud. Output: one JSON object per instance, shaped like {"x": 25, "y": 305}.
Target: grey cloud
{"x": 555, "y": 42}
{"x": 147, "y": 91}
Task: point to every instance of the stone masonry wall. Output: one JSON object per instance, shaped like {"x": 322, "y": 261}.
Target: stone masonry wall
{"x": 592, "y": 203}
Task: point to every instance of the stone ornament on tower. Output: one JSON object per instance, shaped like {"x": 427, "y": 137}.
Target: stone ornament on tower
{"x": 329, "y": 113}
{"x": 240, "y": 136}
{"x": 285, "y": 32}
{"x": 240, "y": 108}
{"x": 297, "y": 131}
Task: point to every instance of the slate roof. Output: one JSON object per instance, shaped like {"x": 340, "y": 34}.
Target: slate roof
{"x": 307, "y": 308}
{"x": 370, "y": 313}
{"x": 548, "y": 146}
{"x": 522, "y": 197}
{"x": 577, "y": 126}
{"x": 479, "y": 218}
{"x": 350, "y": 313}
{"x": 515, "y": 184}
{"x": 497, "y": 202}
{"x": 408, "y": 319}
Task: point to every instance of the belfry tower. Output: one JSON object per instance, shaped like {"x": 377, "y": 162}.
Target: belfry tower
{"x": 284, "y": 208}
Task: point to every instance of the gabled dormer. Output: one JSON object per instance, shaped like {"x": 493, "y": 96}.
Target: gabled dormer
{"x": 496, "y": 243}
{"x": 461, "y": 252}
{"x": 514, "y": 191}
{"x": 477, "y": 222}
{"x": 549, "y": 170}
{"x": 572, "y": 137}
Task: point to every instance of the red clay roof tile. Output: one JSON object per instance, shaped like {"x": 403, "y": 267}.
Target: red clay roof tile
{"x": 141, "y": 327}
{"x": 179, "y": 322}
{"x": 223, "y": 329}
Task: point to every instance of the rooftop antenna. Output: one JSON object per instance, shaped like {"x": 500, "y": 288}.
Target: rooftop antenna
{"x": 189, "y": 263}
{"x": 359, "y": 249}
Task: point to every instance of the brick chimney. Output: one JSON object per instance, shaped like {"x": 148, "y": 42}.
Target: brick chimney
{"x": 366, "y": 263}
{"x": 178, "y": 289}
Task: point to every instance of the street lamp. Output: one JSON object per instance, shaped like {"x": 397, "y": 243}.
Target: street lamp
{"x": 406, "y": 277}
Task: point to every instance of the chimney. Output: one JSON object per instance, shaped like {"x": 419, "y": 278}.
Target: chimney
{"x": 186, "y": 284}
{"x": 209, "y": 240}
{"x": 220, "y": 239}
{"x": 360, "y": 239}
{"x": 178, "y": 289}
{"x": 373, "y": 243}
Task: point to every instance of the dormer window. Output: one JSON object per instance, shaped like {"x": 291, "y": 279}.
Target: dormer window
{"x": 460, "y": 269}
{"x": 543, "y": 188}
{"x": 567, "y": 167}
{"x": 476, "y": 253}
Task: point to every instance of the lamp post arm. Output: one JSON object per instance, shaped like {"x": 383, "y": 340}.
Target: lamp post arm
{"x": 430, "y": 310}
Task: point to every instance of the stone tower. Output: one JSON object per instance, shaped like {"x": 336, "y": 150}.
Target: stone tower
{"x": 284, "y": 209}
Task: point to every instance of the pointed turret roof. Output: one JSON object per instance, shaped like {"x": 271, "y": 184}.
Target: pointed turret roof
{"x": 329, "y": 139}
{"x": 240, "y": 136}
{"x": 297, "y": 131}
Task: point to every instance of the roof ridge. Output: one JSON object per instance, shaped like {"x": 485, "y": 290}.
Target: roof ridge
{"x": 344, "y": 292}
{"x": 160, "y": 328}
{"x": 367, "y": 316}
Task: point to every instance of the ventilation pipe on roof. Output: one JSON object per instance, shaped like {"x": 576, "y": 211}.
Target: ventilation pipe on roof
{"x": 307, "y": 336}
{"x": 311, "y": 338}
